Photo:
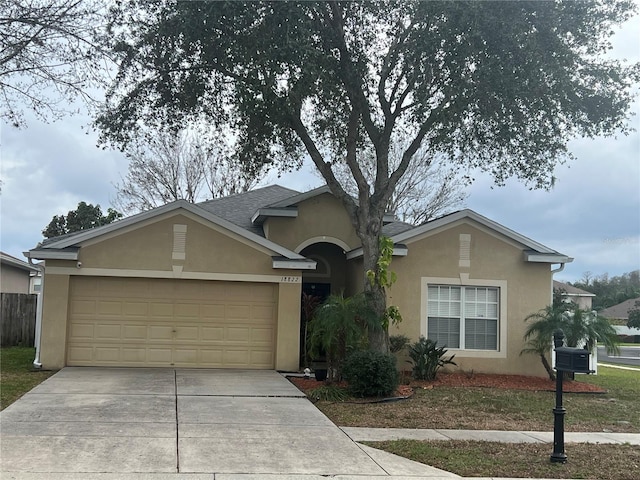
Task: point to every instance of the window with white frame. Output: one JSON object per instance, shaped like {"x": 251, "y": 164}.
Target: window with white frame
{"x": 463, "y": 317}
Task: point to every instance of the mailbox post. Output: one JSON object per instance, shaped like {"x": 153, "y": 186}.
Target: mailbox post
{"x": 568, "y": 359}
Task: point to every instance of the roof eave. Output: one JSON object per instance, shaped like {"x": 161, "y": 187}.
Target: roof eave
{"x": 538, "y": 257}
{"x": 171, "y": 207}
{"x": 293, "y": 264}
{"x": 53, "y": 254}
{"x": 399, "y": 250}
{"x": 295, "y": 199}
{"x": 263, "y": 213}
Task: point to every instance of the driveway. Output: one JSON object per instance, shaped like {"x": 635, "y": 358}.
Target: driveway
{"x": 152, "y": 421}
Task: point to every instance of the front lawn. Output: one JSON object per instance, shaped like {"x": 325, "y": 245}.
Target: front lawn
{"x": 17, "y": 375}
{"x": 481, "y": 408}
{"x": 524, "y": 460}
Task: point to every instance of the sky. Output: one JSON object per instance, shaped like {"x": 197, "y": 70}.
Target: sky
{"x": 592, "y": 214}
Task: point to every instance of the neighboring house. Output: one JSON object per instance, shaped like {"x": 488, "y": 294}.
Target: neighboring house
{"x": 219, "y": 284}
{"x": 576, "y": 295}
{"x": 621, "y": 312}
{"x": 15, "y": 274}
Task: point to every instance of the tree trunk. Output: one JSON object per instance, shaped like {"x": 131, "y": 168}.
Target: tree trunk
{"x": 378, "y": 338}
{"x": 547, "y": 367}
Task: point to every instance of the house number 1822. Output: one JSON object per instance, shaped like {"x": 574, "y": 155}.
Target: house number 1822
{"x": 290, "y": 279}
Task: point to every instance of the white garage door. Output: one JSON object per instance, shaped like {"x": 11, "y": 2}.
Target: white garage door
{"x": 162, "y": 323}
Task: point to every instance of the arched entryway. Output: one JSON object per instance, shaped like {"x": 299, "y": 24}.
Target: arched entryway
{"x": 329, "y": 277}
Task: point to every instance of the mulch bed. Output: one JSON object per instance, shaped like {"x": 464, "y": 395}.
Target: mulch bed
{"x": 510, "y": 382}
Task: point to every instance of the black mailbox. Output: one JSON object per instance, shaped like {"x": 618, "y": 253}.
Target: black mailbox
{"x": 570, "y": 359}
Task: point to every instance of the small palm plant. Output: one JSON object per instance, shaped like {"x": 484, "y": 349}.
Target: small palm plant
{"x": 338, "y": 326}
{"x": 582, "y": 328}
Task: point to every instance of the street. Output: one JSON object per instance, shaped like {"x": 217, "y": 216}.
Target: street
{"x": 628, "y": 356}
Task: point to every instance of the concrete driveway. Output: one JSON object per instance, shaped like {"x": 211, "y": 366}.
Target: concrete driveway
{"x": 153, "y": 421}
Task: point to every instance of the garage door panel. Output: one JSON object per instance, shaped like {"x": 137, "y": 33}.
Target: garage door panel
{"x": 159, "y": 355}
{"x": 236, "y": 357}
{"x": 135, "y": 309}
{"x": 80, "y": 355}
{"x": 212, "y": 311}
{"x": 187, "y": 310}
{"x": 237, "y": 334}
{"x": 79, "y": 307}
{"x": 262, "y": 336}
{"x": 108, "y": 332}
{"x": 79, "y": 331}
{"x": 262, "y": 312}
{"x": 185, "y": 356}
{"x": 262, "y": 357}
{"x": 109, "y": 308}
{"x": 134, "y": 332}
{"x": 134, "y": 355}
{"x": 210, "y": 356}
{"x": 163, "y": 309}
{"x": 107, "y": 354}
{"x": 187, "y": 333}
{"x": 158, "y": 332}
{"x": 166, "y": 322}
{"x": 238, "y": 312}
{"x": 212, "y": 334}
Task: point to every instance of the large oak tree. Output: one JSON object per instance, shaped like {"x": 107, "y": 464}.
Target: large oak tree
{"x": 500, "y": 86}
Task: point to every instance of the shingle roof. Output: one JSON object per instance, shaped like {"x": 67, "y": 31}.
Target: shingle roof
{"x": 394, "y": 228}
{"x": 571, "y": 290}
{"x": 16, "y": 262}
{"x": 238, "y": 209}
{"x": 620, "y": 310}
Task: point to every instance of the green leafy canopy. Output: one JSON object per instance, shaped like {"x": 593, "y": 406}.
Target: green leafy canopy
{"x": 497, "y": 85}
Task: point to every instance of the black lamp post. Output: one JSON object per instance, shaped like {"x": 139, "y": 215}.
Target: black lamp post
{"x": 558, "y": 455}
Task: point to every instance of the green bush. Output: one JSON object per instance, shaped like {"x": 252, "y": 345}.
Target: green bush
{"x": 427, "y": 358}
{"x": 371, "y": 374}
{"x": 397, "y": 343}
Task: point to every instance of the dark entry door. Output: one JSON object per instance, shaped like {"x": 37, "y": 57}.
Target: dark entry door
{"x": 311, "y": 292}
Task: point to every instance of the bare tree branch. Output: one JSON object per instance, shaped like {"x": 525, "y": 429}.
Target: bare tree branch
{"x": 167, "y": 166}
{"x": 48, "y": 57}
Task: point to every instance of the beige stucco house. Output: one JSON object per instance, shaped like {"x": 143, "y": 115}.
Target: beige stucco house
{"x": 16, "y": 275}
{"x": 219, "y": 283}
{"x": 580, "y": 297}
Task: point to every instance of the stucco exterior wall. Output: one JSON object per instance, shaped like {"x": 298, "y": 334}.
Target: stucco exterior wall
{"x": 13, "y": 280}
{"x": 53, "y": 339}
{"x": 209, "y": 253}
{"x": 288, "y": 335}
{"x": 151, "y": 248}
{"x": 318, "y": 217}
{"x": 435, "y": 259}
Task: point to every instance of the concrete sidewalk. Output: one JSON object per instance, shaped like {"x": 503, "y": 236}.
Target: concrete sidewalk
{"x": 363, "y": 434}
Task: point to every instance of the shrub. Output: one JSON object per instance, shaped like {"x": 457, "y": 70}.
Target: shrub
{"x": 398, "y": 343}
{"x": 427, "y": 358}
{"x": 329, "y": 393}
{"x": 371, "y": 374}
{"x": 339, "y": 325}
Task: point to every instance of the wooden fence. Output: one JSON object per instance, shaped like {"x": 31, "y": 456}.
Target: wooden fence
{"x": 17, "y": 319}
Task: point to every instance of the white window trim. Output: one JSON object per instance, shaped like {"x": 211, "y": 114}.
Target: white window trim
{"x": 465, "y": 281}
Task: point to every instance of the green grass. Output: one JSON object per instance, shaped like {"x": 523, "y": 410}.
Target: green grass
{"x": 496, "y": 409}
{"x": 17, "y": 375}
{"x": 528, "y": 460}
